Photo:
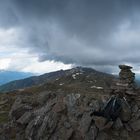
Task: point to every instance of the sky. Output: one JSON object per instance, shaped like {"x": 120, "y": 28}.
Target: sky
{"x": 40, "y": 36}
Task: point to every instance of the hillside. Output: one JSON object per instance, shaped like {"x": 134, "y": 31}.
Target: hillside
{"x": 7, "y": 76}
{"x": 88, "y": 77}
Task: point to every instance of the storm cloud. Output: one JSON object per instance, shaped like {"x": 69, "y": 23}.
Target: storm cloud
{"x": 96, "y": 33}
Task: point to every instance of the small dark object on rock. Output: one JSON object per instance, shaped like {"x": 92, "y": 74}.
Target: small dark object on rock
{"x": 112, "y": 109}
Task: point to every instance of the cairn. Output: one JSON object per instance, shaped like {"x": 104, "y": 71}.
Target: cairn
{"x": 126, "y": 82}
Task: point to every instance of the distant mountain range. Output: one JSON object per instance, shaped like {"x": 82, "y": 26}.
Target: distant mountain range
{"x": 75, "y": 78}
{"x": 7, "y": 76}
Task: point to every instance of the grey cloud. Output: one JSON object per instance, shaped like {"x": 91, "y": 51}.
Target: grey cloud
{"x": 98, "y": 33}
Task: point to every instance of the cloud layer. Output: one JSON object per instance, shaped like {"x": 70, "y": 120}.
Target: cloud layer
{"x": 96, "y": 33}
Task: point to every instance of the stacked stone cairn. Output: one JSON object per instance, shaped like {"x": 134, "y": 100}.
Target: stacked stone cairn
{"x": 126, "y": 88}
{"x": 125, "y": 85}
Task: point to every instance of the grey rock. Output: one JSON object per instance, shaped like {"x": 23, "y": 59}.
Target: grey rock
{"x": 124, "y": 134}
{"x": 92, "y": 133}
{"x": 43, "y": 97}
{"x": 67, "y": 125}
{"x": 100, "y": 122}
{"x": 25, "y": 118}
{"x": 135, "y": 125}
{"x": 95, "y": 105}
{"x": 125, "y": 112}
{"x": 135, "y": 108}
{"x": 44, "y": 109}
{"x": 3, "y": 137}
{"x": 127, "y": 127}
{"x": 71, "y": 99}
{"x": 18, "y": 111}
{"x": 118, "y": 124}
{"x": 48, "y": 125}
{"x": 85, "y": 123}
{"x": 3, "y": 102}
{"x": 102, "y": 136}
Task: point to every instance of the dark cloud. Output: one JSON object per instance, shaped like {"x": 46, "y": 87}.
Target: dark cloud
{"x": 99, "y": 33}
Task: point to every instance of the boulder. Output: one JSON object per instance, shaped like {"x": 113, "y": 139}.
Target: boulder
{"x": 100, "y": 122}
{"x": 135, "y": 125}
{"x": 118, "y": 124}
{"x": 125, "y": 114}
{"x": 25, "y": 118}
{"x": 85, "y": 123}
{"x": 102, "y": 136}
{"x": 59, "y": 107}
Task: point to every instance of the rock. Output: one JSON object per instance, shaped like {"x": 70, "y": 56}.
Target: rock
{"x": 25, "y": 118}
{"x": 3, "y": 137}
{"x": 62, "y": 134}
{"x": 108, "y": 125}
{"x": 137, "y": 115}
{"x": 135, "y": 125}
{"x": 127, "y": 127}
{"x": 92, "y": 133}
{"x": 125, "y": 114}
{"x": 100, "y": 122}
{"x": 48, "y": 125}
{"x": 71, "y": 99}
{"x": 20, "y": 136}
{"x": 118, "y": 124}
{"x": 124, "y": 134}
{"x": 45, "y": 108}
{"x": 67, "y": 125}
{"x": 95, "y": 105}
{"x": 135, "y": 108}
{"x": 44, "y": 97}
{"x": 130, "y": 92}
{"x": 126, "y": 79}
{"x": 18, "y": 111}
{"x": 123, "y": 67}
{"x": 102, "y": 136}
{"x": 69, "y": 134}
{"x": 29, "y": 130}
{"x": 85, "y": 123}
{"x": 59, "y": 107}
{"x": 3, "y": 102}
{"x": 87, "y": 129}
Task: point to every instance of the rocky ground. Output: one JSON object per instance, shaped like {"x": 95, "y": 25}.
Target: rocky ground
{"x": 61, "y": 115}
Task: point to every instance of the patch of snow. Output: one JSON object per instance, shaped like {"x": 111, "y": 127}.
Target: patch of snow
{"x": 61, "y": 84}
{"x": 96, "y": 87}
{"x": 57, "y": 79}
{"x": 74, "y": 76}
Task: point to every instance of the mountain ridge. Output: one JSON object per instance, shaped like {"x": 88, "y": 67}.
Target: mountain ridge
{"x": 65, "y": 75}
